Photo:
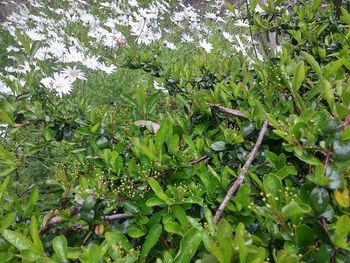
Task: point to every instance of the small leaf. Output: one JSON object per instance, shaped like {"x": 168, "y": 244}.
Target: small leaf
{"x": 3, "y": 189}
{"x": 294, "y": 209}
{"x": 218, "y": 146}
{"x": 328, "y": 92}
{"x": 298, "y": 76}
{"x": 135, "y": 232}
{"x": 6, "y": 221}
{"x": 159, "y": 191}
{"x": 35, "y": 235}
{"x": 225, "y": 238}
{"x": 342, "y": 198}
{"x": 313, "y": 63}
{"x": 60, "y": 247}
{"x": 319, "y": 199}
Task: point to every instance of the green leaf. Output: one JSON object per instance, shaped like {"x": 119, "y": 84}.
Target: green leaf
{"x": 180, "y": 214}
{"x": 24, "y": 40}
{"x": 294, "y": 209}
{"x": 6, "y": 221}
{"x": 157, "y": 189}
{"x": 210, "y": 220}
{"x": 218, "y": 146}
{"x": 35, "y": 235}
{"x": 18, "y": 240}
{"x": 299, "y": 75}
{"x": 173, "y": 227}
{"x": 188, "y": 246}
{"x": 6, "y": 117}
{"x": 165, "y": 131}
{"x": 342, "y": 227}
{"x": 3, "y": 189}
{"x": 6, "y": 256}
{"x": 151, "y": 239}
{"x": 313, "y": 63}
{"x": 60, "y": 247}
{"x": 31, "y": 255}
{"x": 33, "y": 199}
{"x": 319, "y": 199}
{"x": 225, "y": 238}
{"x": 346, "y": 134}
{"x": 242, "y": 248}
{"x": 328, "y": 92}
{"x": 304, "y": 235}
{"x": 135, "y": 232}
{"x": 341, "y": 150}
{"x": 152, "y": 101}
{"x": 5, "y": 155}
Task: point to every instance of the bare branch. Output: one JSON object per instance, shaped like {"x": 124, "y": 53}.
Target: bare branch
{"x": 117, "y": 217}
{"x": 228, "y": 111}
{"x": 243, "y": 172}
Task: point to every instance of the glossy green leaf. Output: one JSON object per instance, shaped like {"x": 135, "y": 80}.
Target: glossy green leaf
{"x": 136, "y": 232}
{"x": 35, "y": 235}
{"x": 218, "y": 146}
{"x": 18, "y": 240}
{"x": 313, "y": 63}
{"x": 294, "y": 209}
{"x": 225, "y": 237}
{"x": 157, "y": 189}
{"x": 188, "y": 246}
{"x": 151, "y": 239}
{"x": 319, "y": 199}
{"x": 304, "y": 235}
{"x": 60, "y": 247}
{"x": 7, "y": 221}
{"x": 299, "y": 75}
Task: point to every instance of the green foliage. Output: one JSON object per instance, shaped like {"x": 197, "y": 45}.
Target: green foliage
{"x": 113, "y": 189}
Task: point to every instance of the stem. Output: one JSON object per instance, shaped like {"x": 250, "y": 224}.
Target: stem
{"x": 228, "y": 111}
{"x": 243, "y": 172}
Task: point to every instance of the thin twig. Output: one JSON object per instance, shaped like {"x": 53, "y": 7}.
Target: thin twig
{"x": 204, "y": 158}
{"x": 228, "y": 111}
{"x": 243, "y": 172}
{"x": 251, "y": 31}
{"x": 117, "y": 217}
{"x": 346, "y": 123}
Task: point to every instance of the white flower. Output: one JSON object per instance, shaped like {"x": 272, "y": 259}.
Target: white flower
{"x": 91, "y": 62}
{"x": 259, "y": 10}
{"x": 61, "y": 84}
{"x": 169, "y": 45}
{"x": 133, "y": 3}
{"x": 206, "y": 45}
{"x": 186, "y": 38}
{"x": 46, "y": 82}
{"x": 4, "y": 89}
{"x": 160, "y": 87}
{"x": 228, "y": 36}
{"x": 73, "y": 73}
{"x": 241, "y": 23}
{"x": 57, "y": 48}
{"x": 107, "y": 69}
{"x": 73, "y": 55}
{"x": 35, "y": 35}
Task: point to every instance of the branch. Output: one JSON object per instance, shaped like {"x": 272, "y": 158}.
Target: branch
{"x": 204, "y": 158}
{"x": 346, "y": 123}
{"x": 228, "y": 111}
{"x": 243, "y": 172}
{"x": 117, "y": 217}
